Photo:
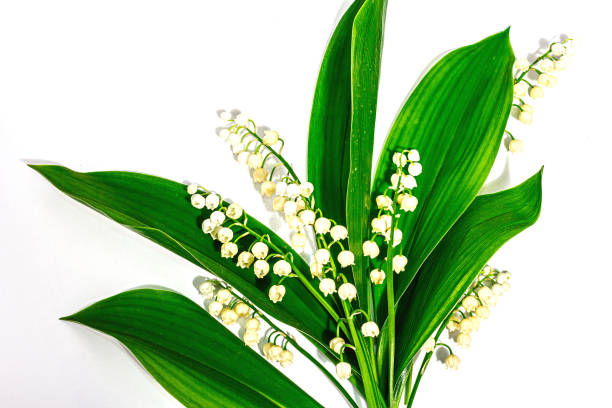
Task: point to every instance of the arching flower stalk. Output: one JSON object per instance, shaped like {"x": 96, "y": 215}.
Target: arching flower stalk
{"x": 554, "y": 60}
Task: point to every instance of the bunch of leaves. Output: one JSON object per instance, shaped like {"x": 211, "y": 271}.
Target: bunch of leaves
{"x": 455, "y": 116}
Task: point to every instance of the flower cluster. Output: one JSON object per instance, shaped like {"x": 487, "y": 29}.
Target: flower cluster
{"x": 276, "y": 180}
{"x": 475, "y": 306}
{"x": 554, "y": 60}
{"x": 394, "y": 201}
{"x": 227, "y": 223}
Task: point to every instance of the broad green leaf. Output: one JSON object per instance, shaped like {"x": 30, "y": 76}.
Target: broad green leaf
{"x": 160, "y": 210}
{"x": 456, "y": 118}
{"x": 489, "y": 222}
{"x": 193, "y": 356}
{"x": 330, "y": 121}
{"x": 368, "y": 30}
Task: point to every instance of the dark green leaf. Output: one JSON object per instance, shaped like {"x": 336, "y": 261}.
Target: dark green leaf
{"x": 456, "y": 118}
{"x": 191, "y": 354}
{"x": 160, "y": 210}
{"x": 489, "y": 222}
{"x": 367, "y": 44}
{"x": 330, "y": 121}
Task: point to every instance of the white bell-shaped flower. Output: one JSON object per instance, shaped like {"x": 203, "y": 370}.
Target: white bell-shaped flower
{"x": 338, "y": 232}
{"x": 282, "y": 268}
{"x": 192, "y": 189}
{"x": 229, "y": 250}
{"x": 261, "y": 268}
{"x": 322, "y": 225}
{"x": 370, "y": 249}
{"x": 343, "y": 370}
{"x": 212, "y": 201}
{"x": 327, "y": 286}
{"x": 322, "y": 256}
{"x": 377, "y": 276}
{"x": 259, "y": 250}
{"x": 336, "y": 344}
{"x": 347, "y": 291}
{"x": 198, "y": 201}
{"x": 245, "y": 259}
{"x": 276, "y": 293}
{"x": 234, "y": 211}
{"x": 370, "y": 329}
{"x": 399, "y": 263}
{"x": 346, "y": 258}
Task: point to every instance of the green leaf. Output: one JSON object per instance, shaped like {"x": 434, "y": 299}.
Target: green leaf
{"x": 368, "y": 30}
{"x": 330, "y": 121}
{"x": 456, "y": 118}
{"x": 489, "y": 222}
{"x": 193, "y": 356}
{"x": 160, "y": 210}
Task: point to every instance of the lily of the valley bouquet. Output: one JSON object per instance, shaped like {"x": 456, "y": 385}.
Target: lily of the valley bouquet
{"x": 379, "y": 263}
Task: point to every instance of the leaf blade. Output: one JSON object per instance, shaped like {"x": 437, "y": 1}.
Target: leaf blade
{"x": 455, "y": 117}
{"x": 179, "y": 344}
{"x": 366, "y": 53}
{"x": 159, "y": 210}
{"x": 330, "y": 121}
{"x": 489, "y": 222}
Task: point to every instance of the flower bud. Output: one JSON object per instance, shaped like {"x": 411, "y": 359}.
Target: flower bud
{"x": 515, "y": 146}
{"x": 520, "y": 89}
{"x": 322, "y": 225}
{"x": 245, "y": 259}
{"x": 525, "y": 117}
{"x": 276, "y": 293}
{"x": 282, "y": 268}
{"x": 346, "y": 258}
{"x": 252, "y": 324}
{"x": 299, "y": 240}
{"x": 370, "y": 329}
{"x": 452, "y": 362}
{"x": 407, "y": 202}
{"x": 322, "y": 256}
{"x": 343, "y": 370}
{"x": 327, "y": 286}
{"x": 198, "y": 201}
{"x": 286, "y": 358}
{"x": 464, "y": 340}
{"x": 261, "y": 268}
{"x": 370, "y": 249}
{"x": 547, "y": 80}
{"x": 557, "y": 49}
{"x": 521, "y": 64}
{"x": 260, "y": 175}
{"x": 379, "y": 226}
{"x": 307, "y": 217}
{"x": 214, "y": 308}
{"x": 399, "y": 159}
{"x": 228, "y": 316}
{"x": 399, "y": 263}
{"x": 306, "y": 189}
{"x": 229, "y": 250}
{"x": 242, "y": 309}
{"x": 260, "y": 250}
{"x": 207, "y": 289}
{"x": 275, "y": 352}
{"x": 293, "y": 190}
{"x": 415, "y": 169}
{"x": 482, "y": 312}
{"x": 429, "y": 345}
{"x": 290, "y": 208}
{"x": 316, "y": 269}
{"x": 383, "y": 202}
{"x": 207, "y": 226}
{"x": 225, "y": 235}
{"x": 278, "y": 204}
{"x": 192, "y": 189}
{"x": 377, "y": 276}
{"x": 536, "y": 92}
{"x": 251, "y": 338}
{"x": 270, "y": 137}
{"x": 234, "y": 211}
{"x": 338, "y": 232}
{"x": 413, "y": 155}
{"x": 347, "y": 291}
{"x": 547, "y": 65}
{"x": 470, "y": 303}
{"x": 268, "y": 188}
{"x": 336, "y": 344}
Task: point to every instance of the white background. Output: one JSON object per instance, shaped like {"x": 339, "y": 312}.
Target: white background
{"x": 134, "y": 85}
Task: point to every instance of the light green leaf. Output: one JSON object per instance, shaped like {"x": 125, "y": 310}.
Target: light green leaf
{"x": 456, "y": 118}
{"x": 489, "y": 222}
{"x": 191, "y": 354}
{"x": 160, "y": 210}
{"x": 330, "y": 121}
{"x": 368, "y": 30}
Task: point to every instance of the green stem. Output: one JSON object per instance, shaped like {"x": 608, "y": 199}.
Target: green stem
{"x": 277, "y": 155}
{"x": 305, "y": 353}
